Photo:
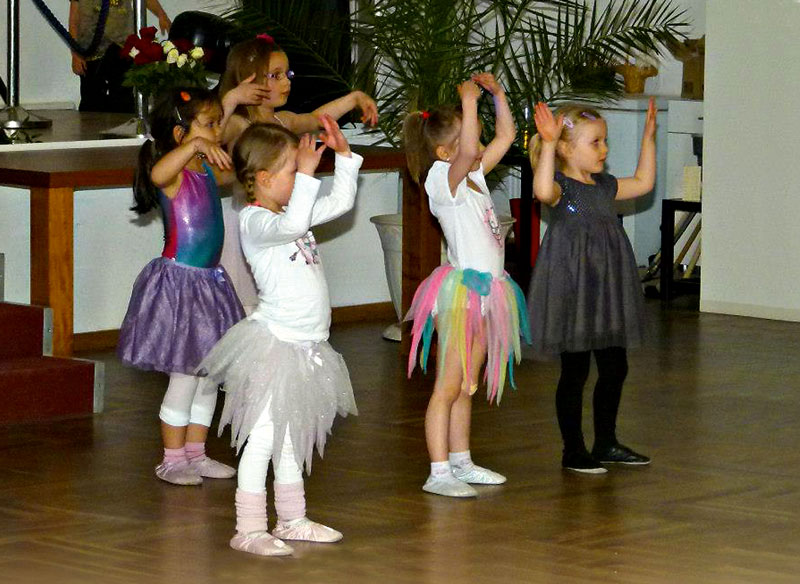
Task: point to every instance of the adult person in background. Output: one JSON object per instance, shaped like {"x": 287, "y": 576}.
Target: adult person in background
{"x": 102, "y": 73}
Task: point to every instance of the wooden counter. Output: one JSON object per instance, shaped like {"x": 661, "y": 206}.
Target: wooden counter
{"x": 53, "y": 176}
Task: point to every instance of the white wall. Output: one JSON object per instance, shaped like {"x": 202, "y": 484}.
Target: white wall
{"x": 751, "y": 198}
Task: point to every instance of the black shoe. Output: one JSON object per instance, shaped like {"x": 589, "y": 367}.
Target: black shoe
{"x": 582, "y": 462}
{"x": 619, "y": 454}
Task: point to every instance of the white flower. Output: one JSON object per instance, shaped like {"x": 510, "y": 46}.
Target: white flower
{"x": 134, "y": 52}
{"x": 192, "y": 64}
{"x": 196, "y": 53}
{"x": 172, "y": 56}
{"x": 182, "y": 60}
{"x": 167, "y": 46}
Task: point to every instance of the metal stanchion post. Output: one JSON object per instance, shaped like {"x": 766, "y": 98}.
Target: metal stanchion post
{"x": 13, "y": 116}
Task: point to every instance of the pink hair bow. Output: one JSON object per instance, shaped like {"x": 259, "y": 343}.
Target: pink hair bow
{"x": 266, "y": 37}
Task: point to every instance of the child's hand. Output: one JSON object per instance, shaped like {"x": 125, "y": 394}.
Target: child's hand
{"x": 650, "y": 121}
{"x": 248, "y": 92}
{"x": 213, "y": 152}
{"x": 469, "y": 89}
{"x": 332, "y": 136}
{"x": 368, "y": 107}
{"x": 307, "y": 155}
{"x": 489, "y": 83}
{"x": 548, "y": 127}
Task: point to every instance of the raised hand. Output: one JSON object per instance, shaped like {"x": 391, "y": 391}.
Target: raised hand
{"x": 308, "y": 156}
{"x": 548, "y": 127}
{"x": 332, "y": 136}
{"x": 368, "y": 107}
{"x": 489, "y": 83}
{"x": 213, "y": 152}
{"x": 468, "y": 89}
{"x": 650, "y": 121}
{"x": 248, "y": 92}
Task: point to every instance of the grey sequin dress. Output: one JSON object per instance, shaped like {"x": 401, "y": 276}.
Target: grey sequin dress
{"x": 585, "y": 292}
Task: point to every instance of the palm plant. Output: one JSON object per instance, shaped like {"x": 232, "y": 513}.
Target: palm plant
{"x": 411, "y": 54}
{"x": 542, "y": 50}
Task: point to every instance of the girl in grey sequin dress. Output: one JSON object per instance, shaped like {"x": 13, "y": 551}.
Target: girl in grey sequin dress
{"x": 585, "y": 295}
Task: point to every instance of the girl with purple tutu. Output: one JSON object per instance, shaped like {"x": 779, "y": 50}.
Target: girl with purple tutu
{"x": 477, "y": 310}
{"x": 283, "y": 382}
{"x": 182, "y": 302}
{"x": 585, "y": 296}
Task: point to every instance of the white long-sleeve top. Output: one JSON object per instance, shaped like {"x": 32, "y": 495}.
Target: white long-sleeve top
{"x": 282, "y": 253}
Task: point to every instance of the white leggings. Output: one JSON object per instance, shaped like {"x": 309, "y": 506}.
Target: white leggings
{"x": 184, "y": 405}
{"x": 257, "y": 453}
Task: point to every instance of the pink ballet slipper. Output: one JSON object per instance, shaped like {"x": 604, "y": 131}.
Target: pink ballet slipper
{"x": 304, "y": 529}
{"x": 260, "y": 543}
{"x": 210, "y": 468}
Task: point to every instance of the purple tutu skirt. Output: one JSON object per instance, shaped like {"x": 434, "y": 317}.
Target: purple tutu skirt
{"x": 175, "y": 316}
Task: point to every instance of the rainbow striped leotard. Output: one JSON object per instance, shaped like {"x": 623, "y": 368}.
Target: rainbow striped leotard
{"x": 193, "y": 227}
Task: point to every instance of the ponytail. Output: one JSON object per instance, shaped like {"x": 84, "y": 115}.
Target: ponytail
{"x": 417, "y": 157}
{"x": 423, "y": 132}
{"x": 145, "y": 193}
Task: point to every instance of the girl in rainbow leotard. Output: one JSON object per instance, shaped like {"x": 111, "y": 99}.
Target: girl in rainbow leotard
{"x": 182, "y": 302}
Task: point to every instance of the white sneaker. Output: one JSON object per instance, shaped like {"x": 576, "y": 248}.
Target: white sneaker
{"x": 260, "y": 543}
{"x": 448, "y": 486}
{"x": 478, "y": 475}
{"x": 178, "y": 473}
{"x": 304, "y": 529}
{"x": 210, "y": 468}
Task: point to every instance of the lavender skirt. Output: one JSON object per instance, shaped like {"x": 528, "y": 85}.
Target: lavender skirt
{"x": 175, "y": 316}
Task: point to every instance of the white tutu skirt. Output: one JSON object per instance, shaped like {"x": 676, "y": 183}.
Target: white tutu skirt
{"x": 304, "y": 384}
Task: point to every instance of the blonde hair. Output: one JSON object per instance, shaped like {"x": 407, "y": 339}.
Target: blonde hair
{"x": 423, "y": 132}
{"x": 244, "y": 59}
{"x": 261, "y": 147}
{"x": 574, "y": 116}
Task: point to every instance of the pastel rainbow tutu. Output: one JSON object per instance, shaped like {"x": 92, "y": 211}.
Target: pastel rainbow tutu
{"x": 468, "y": 305}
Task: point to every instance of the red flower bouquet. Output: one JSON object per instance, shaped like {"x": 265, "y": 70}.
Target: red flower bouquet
{"x": 160, "y": 66}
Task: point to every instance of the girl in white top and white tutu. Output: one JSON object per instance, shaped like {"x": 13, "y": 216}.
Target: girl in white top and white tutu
{"x": 283, "y": 382}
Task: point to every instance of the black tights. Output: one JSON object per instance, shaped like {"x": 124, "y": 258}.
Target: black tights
{"x": 612, "y": 368}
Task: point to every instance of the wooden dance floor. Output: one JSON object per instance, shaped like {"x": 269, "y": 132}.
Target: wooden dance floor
{"x": 713, "y": 399}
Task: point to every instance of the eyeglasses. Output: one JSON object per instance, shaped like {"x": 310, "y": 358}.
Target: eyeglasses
{"x": 280, "y": 76}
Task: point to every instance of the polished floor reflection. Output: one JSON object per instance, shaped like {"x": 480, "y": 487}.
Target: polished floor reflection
{"x": 713, "y": 399}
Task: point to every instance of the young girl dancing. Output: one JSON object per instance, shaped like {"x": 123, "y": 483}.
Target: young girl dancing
{"x": 474, "y": 305}
{"x": 283, "y": 382}
{"x": 261, "y": 63}
{"x": 585, "y": 294}
{"x": 182, "y": 302}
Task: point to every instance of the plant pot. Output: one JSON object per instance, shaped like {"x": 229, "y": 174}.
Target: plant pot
{"x": 390, "y": 231}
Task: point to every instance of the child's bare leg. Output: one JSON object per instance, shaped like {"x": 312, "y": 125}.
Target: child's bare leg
{"x": 460, "y": 425}
{"x": 446, "y": 392}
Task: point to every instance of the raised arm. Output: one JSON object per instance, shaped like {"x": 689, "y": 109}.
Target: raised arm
{"x": 545, "y": 188}
{"x": 505, "y": 130}
{"x": 345, "y": 175}
{"x": 167, "y": 171}
{"x": 309, "y": 122}
{"x": 164, "y": 22}
{"x": 644, "y": 178}
{"x": 246, "y": 93}
{"x": 469, "y": 137}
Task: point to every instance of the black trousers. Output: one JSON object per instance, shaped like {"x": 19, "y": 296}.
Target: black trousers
{"x": 612, "y": 368}
{"x": 101, "y": 85}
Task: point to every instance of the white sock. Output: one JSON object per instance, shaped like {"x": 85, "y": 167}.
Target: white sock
{"x": 462, "y": 460}
{"x": 439, "y": 469}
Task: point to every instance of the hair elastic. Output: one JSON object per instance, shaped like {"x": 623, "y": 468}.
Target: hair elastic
{"x": 425, "y": 114}
{"x": 265, "y": 37}
{"x": 186, "y": 96}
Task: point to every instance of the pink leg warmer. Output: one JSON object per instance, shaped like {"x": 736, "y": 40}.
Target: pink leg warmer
{"x": 290, "y": 501}
{"x": 251, "y": 512}
{"x": 173, "y": 455}
{"x": 195, "y": 450}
